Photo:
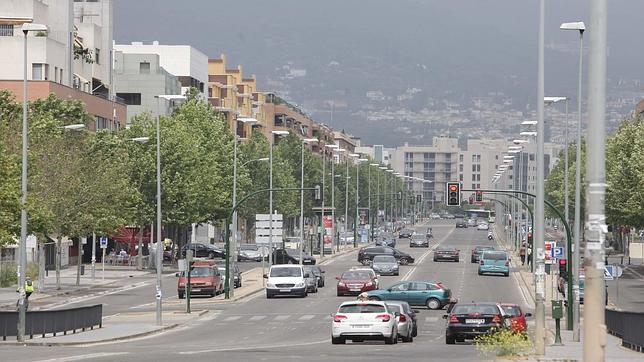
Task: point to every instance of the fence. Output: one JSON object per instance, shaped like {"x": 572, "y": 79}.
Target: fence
{"x": 628, "y": 326}
{"x": 52, "y": 321}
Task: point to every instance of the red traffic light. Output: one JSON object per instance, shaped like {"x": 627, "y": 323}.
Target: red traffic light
{"x": 452, "y": 188}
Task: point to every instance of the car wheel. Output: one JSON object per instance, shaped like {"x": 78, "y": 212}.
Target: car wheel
{"x": 460, "y": 339}
{"x": 211, "y": 255}
{"x": 374, "y": 298}
{"x": 435, "y": 259}
{"x": 338, "y": 340}
{"x": 480, "y": 273}
{"x": 457, "y": 260}
{"x": 181, "y": 295}
{"x": 433, "y": 303}
{"x": 414, "y": 332}
{"x": 506, "y": 274}
{"x": 393, "y": 339}
{"x": 472, "y": 260}
{"x": 404, "y": 261}
{"x": 449, "y": 340}
{"x": 269, "y": 296}
{"x": 339, "y": 294}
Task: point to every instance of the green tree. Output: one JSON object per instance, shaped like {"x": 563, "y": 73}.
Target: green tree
{"x": 554, "y": 187}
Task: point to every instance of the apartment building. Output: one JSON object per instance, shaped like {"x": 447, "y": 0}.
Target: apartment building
{"x": 478, "y": 163}
{"x": 437, "y": 163}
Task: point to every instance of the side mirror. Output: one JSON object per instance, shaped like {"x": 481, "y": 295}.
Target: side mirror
{"x": 528, "y": 315}
{"x": 265, "y": 276}
{"x": 445, "y": 316}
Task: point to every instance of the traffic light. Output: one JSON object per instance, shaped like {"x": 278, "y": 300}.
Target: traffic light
{"x": 453, "y": 193}
{"x": 479, "y": 196}
{"x": 562, "y": 267}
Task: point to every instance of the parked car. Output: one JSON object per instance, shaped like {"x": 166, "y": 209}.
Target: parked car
{"x": 476, "y": 252}
{"x": 408, "y": 311}
{"x": 469, "y": 320}
{"x": 235, "y": 272}
{"x": 368, "y": 320}
{"x": 419, "y": 240}
{"x": 494, "y": 261}
{"x": 385, "y": 265}
{"x": 249, "y": 252}
{"x": 446, "y": 253}
{"x": 516, "y": 317}
{"x": 434, "y": 216}
{"x": 286, "y": 280}
{"x": 461, "y": 224}
{"x": 310, "y": 279}
{"x": 405, "y": 324}
{"x": 366, "y": 255}
{"x": 291, "y": 256}
{"x": 406, "y": 233}
{"x": 355, "y": 282}
{"x": 448, "y": 216}
{"x": 205, "y": 279}
{"x": 346, "y": 237}
{"x": 471, "y": 222}
{"x": 203, "y": 251}
{"x": 319, "y": 274}
{"x": 483, "y": 226}
{"x": 459, "y": 216}
{"x": 433, "y": 295}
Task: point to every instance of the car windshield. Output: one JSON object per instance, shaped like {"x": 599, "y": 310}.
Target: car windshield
{"x": 481, "y": 248}
{"x": 384, "y": 259}
{"x": 249, "y": 247}
{"x": 286, "y": 272}
{"x": 201, "y": 271}
{"x": 474, "y": 309}
{"x": 446, "y": 249}
{"x": 355, "y": 275}
{"x": 362, "y": 308}
{"x": 512, "y": 310}
{"x": 495, "y": 255}
{"x": 418, "y": 237}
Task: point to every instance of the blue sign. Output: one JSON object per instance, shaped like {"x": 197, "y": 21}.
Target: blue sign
{"x": 610, "y": 271}
{"x": 103, "y": 242}
{"x": 558, "y": 252}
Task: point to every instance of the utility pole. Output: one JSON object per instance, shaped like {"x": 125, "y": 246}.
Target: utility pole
{"x": 594, "y": 294}
{"x": 539, "y": 245}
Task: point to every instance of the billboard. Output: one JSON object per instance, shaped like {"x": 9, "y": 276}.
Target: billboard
{"x": 363, "y": 216}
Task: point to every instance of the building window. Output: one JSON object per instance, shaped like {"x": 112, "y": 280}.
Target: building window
{"x": 478, "y": 158}
{"x": 532, "y": 157}
{"x": 473, "y": 177}
{"x": 474, "y": 186}
{"x": 97, "y": 56}
{"x": 473, "y": 158}
{"x": 460, "y": 177}
{"x": 478, "y": 177}
{"x": 478, "y": 168}
{"x": 6, "y": 30}
{"x": 496, "y": 157}
{"x": 460, "y": 158}
{"x": 131, "y": 99}
{"x": 473, "y": 168}
{"x": 39, "y": 71}
{"x": 144, "y": 68}
{"x": 101, "y": 123}
{"x": 460, "y": 167}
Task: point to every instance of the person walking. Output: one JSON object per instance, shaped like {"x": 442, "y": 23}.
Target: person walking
{"x": 29, "y": 288}
{"x": 522, "y": 254}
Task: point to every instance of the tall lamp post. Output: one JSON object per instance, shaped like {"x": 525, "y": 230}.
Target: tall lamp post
{"x": 335, "y": 149}
{"x": 580, "y": 27}
{"x": 384, "y": 196}
{"x": 372, "y": 223}
{"x": 275, "y": 135}
{"x": 392, "y": 201}
{"x": 22, "y": 265}
{"x": 355, "y": 220}
{"x": 304, "y": 142}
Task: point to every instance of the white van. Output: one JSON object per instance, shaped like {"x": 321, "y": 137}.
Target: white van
{"x": 286, "y": 279}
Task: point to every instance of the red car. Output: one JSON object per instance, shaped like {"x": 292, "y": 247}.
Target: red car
{"x": 355, "y": 282}
{"x": 516, "y": 317}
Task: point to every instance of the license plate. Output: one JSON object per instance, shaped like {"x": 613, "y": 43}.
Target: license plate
{"x": 475, "y": 321}
{"x": 285, "y": 290}
{"x": 195, "y": 290}
{"x": 354, "y": 289}
{"x": 360, "y": 325}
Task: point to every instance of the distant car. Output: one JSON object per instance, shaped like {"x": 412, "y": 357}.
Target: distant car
{"x": 291, "y": 256}
{"x": 405, "y": 233}
{"x": 249, "y": 252}
{"x": 446, "y": 253}
{"x": 410, "y": 312}
{"x": 459, "y": 216}
{"x": 390, "y": 242}
{"x": 204, "y": 280}
{"x": 448, "y": 216}
{"x": 319, "y": 274}
{"x": 366, "y": 255}
{"x": 516, "y": 317}
{"x": 385, "y": 265}
{"x": 419, "y": 240}
{"x": 405, "y": 323}
{"x": 470, "y": 320}
{"x": 355, "y": 282}
{"x": 359, "y": 321}
{"x": 203, "y": 251}
{"x": 434, "y": 216}
{"x": 483, "y": 226}
{"x": 461, "y": 224}
{"x": 286, "y": 280}
{"x": 310, "y": 279}
{"x": 346, "y": 238}
{"x": 235, "y": 272}
{"x": 471, "y": 222}
{"x": 476, "y": 252}
{"x": 433, "y": 295}
{"x": 494, "y": 261}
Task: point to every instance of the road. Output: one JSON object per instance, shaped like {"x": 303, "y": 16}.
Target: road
{"x": 285, "y": 328}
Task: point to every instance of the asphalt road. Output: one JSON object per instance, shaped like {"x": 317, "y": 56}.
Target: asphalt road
{"x": 284, "y": 328}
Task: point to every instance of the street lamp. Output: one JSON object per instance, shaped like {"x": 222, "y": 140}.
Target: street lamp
{"x": 22, "y": 265}
{"x": 304, "y": 141}
{"x": 580, "y": 27}
{"x": 270, "y": 195}
{"x": 159, "y": 247}
{"x": 371, "y": 223}
{"x": 346, "y": 200}
{"x": 333, "y": 226}
{"x": 355, "y": 221}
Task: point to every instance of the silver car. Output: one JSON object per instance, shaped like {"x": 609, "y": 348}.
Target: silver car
{"x": 385, "y": 264}
{"x": 405, "y": 324}
{"x": 311, "y": 281}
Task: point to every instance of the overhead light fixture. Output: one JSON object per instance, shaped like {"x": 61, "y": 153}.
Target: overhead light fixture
{"x": 528, "y": 133}
{"x": 529, "y": 123}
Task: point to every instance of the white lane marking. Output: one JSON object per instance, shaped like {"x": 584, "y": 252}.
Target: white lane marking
{"x": 255, "y": 347}
{"x": 307, "y": 317}
{"x": 431, "y": 319}
{"x": 257, "y": 318}
{"x": 281, "y": 317}
{"x": 85, "y": 356}
{"x": 232, "y": 318}
{"x": 327, "y": 262}
{"x": 420, "y": 260}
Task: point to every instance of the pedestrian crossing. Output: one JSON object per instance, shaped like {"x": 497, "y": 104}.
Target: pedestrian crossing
{"x": 308, "y": 318}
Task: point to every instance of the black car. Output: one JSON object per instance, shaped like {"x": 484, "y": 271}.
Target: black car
{"x": 203, "y": 251}
{"x": 390, "y": 242}
{"x": 234, "y": 272}
{"x": 461, "y": 224}
{"x": 446, "y": 253}
{"x": 291, "y": 256}
{"x": 319, "y": 273}
{"x": 419, "y": 240}
{"x": 365, "y": 255}
{"x": 469, "y": 320}
{"x": 406, "y": 233}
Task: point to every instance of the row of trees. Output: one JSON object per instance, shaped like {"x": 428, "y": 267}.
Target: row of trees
{"x": 624, "y": 176}
{"x": 82, "y": 182}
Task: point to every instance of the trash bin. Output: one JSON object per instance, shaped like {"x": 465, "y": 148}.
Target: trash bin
{"x": 557, "y": 309}
{"x": 82, "y": 269}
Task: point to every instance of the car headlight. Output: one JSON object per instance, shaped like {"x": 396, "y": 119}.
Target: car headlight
{"x": 368, "y": 284}
{"x": 270, "y": 285}
{"x": 299, "y": 285}
{"x": 341, "y": 284}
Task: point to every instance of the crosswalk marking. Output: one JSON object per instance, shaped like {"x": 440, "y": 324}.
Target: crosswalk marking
{"x": 256, "y": 318}
{"x": 307, "y": 317}
{"x": 282, "y": 317}
{"x": 232, "y": 318}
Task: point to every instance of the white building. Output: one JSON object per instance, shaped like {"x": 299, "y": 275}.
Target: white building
{"x": 479, "y": 162}
{"x": 188, "y": 64}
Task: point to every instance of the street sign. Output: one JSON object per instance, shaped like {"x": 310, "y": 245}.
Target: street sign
{"x": 263, "y": 228}
{"x": 559, "y": 252}
{"x": 103, "y": 242}
{"x": 615, "y": 271}
{"x": 548, "y": 255}
{"x": 607, "y": 272}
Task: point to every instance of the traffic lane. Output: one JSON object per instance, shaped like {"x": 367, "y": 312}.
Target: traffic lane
{"x": 626, "y": 294}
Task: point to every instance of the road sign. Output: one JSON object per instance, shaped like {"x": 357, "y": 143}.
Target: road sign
{"x": 558, "y": 252}
{"x": 615, "y": 271}
{"x": 263, "y": 228}
{"x": 103, "y": 242}
{"x": 608, "y": 272}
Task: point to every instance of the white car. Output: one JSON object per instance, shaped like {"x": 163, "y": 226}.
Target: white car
{"x": 364, "y": 320}
{"x": 286, "y": 279}
{"x": 483, "y": 226}
{"x": 434, "y": 216}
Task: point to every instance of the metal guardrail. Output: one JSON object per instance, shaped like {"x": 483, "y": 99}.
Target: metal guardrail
{"x": 628, "y": 326}
{"x": 45, "y": 322}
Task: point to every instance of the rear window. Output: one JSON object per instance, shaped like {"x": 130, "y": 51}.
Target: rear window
{"x": 286, "y": 272}
{"x": 384, "y": 259}
{"x": 356, "y": 275}
{"x": 362, "y": 308}
{"x": 513, "y": 311}
{"x": 472, "y": 309}
{"x": 494, "y": 256}
{"x": 203, "y": 271}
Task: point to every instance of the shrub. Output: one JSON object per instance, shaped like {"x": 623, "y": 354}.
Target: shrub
{"x": 504, "y": 343}
{"x": 9, "y": 274}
